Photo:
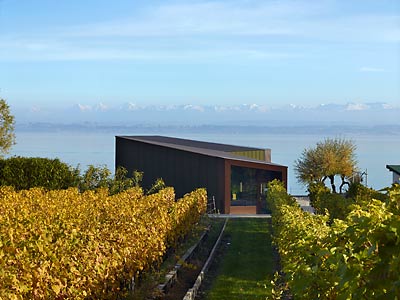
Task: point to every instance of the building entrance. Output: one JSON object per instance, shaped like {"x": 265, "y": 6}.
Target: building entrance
{"x": 248, "y": 187}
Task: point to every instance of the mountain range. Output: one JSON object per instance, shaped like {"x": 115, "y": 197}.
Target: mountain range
{"x": 132, "y": 114}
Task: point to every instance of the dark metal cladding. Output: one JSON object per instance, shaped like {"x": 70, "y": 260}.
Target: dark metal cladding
{"x": 187, "y": 165}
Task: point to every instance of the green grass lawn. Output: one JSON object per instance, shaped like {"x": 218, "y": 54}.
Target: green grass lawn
{"x": 246, "y": 267}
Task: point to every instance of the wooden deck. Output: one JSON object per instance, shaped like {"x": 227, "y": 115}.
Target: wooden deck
{"x": 243, "y": 210}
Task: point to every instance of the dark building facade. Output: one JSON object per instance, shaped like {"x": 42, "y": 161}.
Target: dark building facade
{"x": 235, "y": 176}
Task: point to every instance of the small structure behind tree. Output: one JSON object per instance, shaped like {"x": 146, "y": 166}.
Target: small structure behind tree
{"x": 396, "y": 172}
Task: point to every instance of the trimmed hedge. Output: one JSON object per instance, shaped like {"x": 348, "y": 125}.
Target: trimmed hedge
{"x": 27, "y": 172}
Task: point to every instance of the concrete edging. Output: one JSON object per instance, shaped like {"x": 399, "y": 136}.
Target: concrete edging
{"x": 172, "y": 275}
{"x": 192, "y": 292}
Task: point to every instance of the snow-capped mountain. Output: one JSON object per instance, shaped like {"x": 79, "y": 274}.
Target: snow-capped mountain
{"x": 193, "y": 114}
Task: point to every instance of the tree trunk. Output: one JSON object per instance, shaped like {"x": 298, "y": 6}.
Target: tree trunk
{"x": 332, "y": 178}
{"x": 344, "y": 182}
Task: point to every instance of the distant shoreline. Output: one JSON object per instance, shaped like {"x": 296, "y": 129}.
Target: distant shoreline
{"x": 231, "y": 129}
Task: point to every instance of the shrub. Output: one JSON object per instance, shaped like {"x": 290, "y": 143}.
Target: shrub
{"x": 96, "y": 177}
{"x": 24, "y": 173}
{"x": 339, "y": 206}
{"x": 362, "y": 193}
{"x": 27, "y": 172}
{"x": 316, "y": 190}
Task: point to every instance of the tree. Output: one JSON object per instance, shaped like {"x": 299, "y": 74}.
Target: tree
{"x": 7, "y": 137}
{"x": 100, "y": 177}
{"x": 329, "y": 158}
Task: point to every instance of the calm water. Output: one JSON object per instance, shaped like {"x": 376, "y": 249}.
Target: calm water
{"x": 373, "y": 152}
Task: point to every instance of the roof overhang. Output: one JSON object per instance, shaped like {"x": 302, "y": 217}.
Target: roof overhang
{"x": 394, "y": 168}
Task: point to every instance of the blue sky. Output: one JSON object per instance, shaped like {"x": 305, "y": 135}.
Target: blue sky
{"x": 60, "y": 53}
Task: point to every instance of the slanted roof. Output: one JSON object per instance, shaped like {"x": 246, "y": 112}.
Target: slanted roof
{"x": 204, "y": 148}
{"x": 195, "y": 144}
{"x": 394, "y": 168}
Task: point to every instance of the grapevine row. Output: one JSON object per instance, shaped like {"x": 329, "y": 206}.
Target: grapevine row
{"x": 64, "y": 244}
{"x": 354, "y": 258}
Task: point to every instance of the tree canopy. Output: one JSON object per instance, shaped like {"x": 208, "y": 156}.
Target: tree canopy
{"x": 7, "y": 137}
{"x": 329, "y": 158}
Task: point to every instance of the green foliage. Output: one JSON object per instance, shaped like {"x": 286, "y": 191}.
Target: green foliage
{"x": 362, "y": 193}
{"x": 316, "y": 191}
{"x": 368, "y": 249}
{"x": 158, "y": 185}
{"x": 393, "y": 198}
{"x": 339, "y": 156}
{"x": 354, "y": 258}
{"x": 309, "y": 167}
{"x": 298, "y": 236}
{"x": 94, "y": 178}
{"x": 7, "y": 136}
{"x": 338, "y": 206}
{"x": 122, "y": 182}
{"x": 325, "y": 202}
{"x": 329, "y": 158}
{"x": 278, "y": 196}
{"x": 24, "y": 173}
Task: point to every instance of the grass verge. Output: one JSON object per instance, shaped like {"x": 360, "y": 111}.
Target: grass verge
{"x": 246, "y": 265}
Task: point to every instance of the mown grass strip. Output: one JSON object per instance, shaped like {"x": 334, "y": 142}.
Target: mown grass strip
{"x": 247, "y": 265}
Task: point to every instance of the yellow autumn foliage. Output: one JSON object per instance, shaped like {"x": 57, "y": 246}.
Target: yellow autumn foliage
{"x": 64, "y": 244}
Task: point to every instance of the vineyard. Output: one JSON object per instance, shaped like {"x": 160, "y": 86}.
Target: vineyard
{"x": 354, "y": 258}
{"x": 63, "y": 244}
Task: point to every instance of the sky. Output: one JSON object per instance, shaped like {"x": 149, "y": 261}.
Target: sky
{"x": 61, "y": 53}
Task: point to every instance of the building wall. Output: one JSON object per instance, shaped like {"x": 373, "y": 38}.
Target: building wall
{"x": 183, "y": 170}
{"x": 396, "y": 178}
{"x": 264, "y": 155}
{"x": 186, "y": 171}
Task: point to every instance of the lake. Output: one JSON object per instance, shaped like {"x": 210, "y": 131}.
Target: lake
{"x": 373, "y": 152}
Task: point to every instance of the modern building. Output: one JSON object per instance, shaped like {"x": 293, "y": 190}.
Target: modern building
{"x": 396, "y": 172}
{"x": 234, "y": 176}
